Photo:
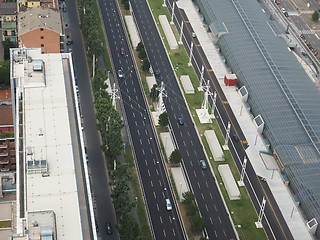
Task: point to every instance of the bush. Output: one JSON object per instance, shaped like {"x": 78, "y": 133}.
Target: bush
{"x": 175, "y": 156}
{"x": 145, "y": 65}
{"x": 142, "y": 54}
{"x": 315, "y": 16}
{"x": 163, "y": 119}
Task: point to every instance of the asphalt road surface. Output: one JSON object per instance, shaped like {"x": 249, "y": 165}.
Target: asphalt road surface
{"x": 165, "y": 224}
{"x": 273, "y": 221}
{"x": 97, "y": 168}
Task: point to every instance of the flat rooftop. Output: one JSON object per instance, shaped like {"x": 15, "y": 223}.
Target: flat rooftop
{"x": 48, "y": 154}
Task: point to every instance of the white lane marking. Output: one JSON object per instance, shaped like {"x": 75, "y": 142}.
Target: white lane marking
{"x": 144, "y": 125}
{"x": 154, "y": 195}
{"x": 136, "y": 123}
{"x": 194, "y": 172}
{"x": 154, "y": 161}
{"x": 206, "y": 207}
{"x": 140, "y": 142}
{"x": 146, "y": 132}
{"x": 224, "y": 233}
{"x": 184, "y": 143}
{"x": 207, "y": 184}
{"x": 160, "y": 183}
{"x": 191, "y": 142}
{"x": 199, "y": 185}
{"x": 151, "y": 183}
{"x": 219, "y": 219}
{"x": 188, "y": 134}
{"x": 181, "y": 134}
{"x": 216, "y": 233}
{"x": 146, "y": 162}
{"x": 138, "y": 132}
{"x": 160, "y": 219}
{"x": 143, "y": 151}
{"x": 215, "y": 208}
{"x": 209, "y": 218}
{"x": 174, "y": 233}
{"x": 195, "y": 152}
{"x": 151, "y": 151}
{"x": 157, "y": 171}
{"x": 149, "y": 173}
{"x": 191, "y": 163}
{"x": 187, "y": 153}
{"x": 202, "y": 196}
{"x": 148, "y": 140}
{"x": 133, "y": 114}
{"x": 158, "y": 207}
{"x": 202, "y": 173}
{"x": 170, "y": 219}
{"x": 164, "y": 233}
{"x": 164, "y": 196}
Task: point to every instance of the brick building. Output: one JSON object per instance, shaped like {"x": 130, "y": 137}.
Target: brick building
{"x": 41, "y": 27}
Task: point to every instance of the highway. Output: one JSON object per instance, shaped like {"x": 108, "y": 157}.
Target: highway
{"x": 150, "y": 164}
{"x": 273, "y": 221}
{"x": 104, "y": 210}
{"x": 218, "y": 224}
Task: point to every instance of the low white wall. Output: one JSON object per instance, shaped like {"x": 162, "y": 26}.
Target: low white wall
{"x": 214, "y": 145}
{"x": 168, "y": 32}
{"x": 133, "y": 32}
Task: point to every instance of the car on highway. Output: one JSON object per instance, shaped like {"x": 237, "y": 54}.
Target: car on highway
{"x": 235, "y": 137}
{"x": 194, "y": 35}
{"x": 180, "y": 121}
{"x": 203, "y": 164}
{"x": 109, "y": 228}
{"x": 120, "y": 73}
{"x": 168, "y": 204}
{"x": 157, "y": 72}
{"x": 122, "y": 52}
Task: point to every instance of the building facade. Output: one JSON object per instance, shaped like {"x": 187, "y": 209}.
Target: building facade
{"x": 8, "y": 21}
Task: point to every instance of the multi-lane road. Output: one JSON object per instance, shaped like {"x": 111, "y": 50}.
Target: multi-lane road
{"x": 152, "y": 172}
{"x": 273, "y": 221}
{"x": 202, "y": 183}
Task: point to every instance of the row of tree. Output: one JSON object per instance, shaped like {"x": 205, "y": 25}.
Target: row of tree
{"x": 197, "y": 222}
{"x": 90, "y": 27}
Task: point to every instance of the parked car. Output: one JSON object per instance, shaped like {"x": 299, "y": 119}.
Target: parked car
{"x": 69, "y": 42}
{"x": 194, "y": 35}
{"x": 109, "y": 228}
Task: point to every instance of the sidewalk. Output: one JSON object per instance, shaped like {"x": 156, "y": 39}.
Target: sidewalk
{"x": 291, "y": 214}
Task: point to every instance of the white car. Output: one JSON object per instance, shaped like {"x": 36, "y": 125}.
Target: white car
{"x": 120, "y": 73}
{"x": 283, "y": 10}
{"x": 168, "y": 204}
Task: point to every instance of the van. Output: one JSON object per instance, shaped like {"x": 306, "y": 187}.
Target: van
{"x": 168, "y": 204}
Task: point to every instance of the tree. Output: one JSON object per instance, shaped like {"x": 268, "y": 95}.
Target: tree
{"x": 154, "y": 93}
{"x": 315, "y": 16}
{"x": 142, "y": 54}
{"x": 140, "y": 46}
{"x": 7, "y": 44}
{"x": 188, "y": 197}
{"x": 128, "y": 227}
{"x": 197, "y": 223}
{"x": 145, "y": 65}
{"x": 175, "y": 156}
{"x": 163, "y": 119}
{"x": 5, "y": 74}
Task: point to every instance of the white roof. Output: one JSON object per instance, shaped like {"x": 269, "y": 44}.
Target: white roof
{"x": 46, "y": 123}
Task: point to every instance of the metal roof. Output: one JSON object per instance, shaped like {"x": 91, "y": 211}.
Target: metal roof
{"x": 279, "y": 90}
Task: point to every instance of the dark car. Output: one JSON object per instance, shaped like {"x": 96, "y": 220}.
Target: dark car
{"x": 122, "y": 52}
{"x": 180, "y": 121}
{"x": 109, "y": 228}
{"x": 157, "y": 72}
{"x": 235, "y": 137}
{"x": 203, "y": 164}
{"x": 69, "y": 42}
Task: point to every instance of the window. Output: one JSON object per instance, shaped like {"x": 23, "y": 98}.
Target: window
{"x": 42, "y": 37}
{"x": 41, "y": 29}
{"x": 42, "y": 45}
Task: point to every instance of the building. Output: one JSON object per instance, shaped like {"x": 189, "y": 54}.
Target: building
{"x": 279, "y": 90}
{"x": 51, "y": 202}
{"x": 41, "y": 27}
{"x": 7, "y": 145}
{"x": 54, "y": 4}
{"x": 8, "y": 21}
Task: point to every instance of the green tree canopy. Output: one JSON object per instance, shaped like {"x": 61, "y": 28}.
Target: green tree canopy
{"x": 145, "y": 65}
{"x": 129, "y": 228}
{"x": 5, "y": 74}
{"x": 197, "y": 223}
{"x": 175, "y": 156}
{"x": 315, "y": 16}
{"x": 154, "y": 93}
{"x": 163, "y": 119}
{"x": 140, "y": 46}
{"x": 142, "y": 54}
{"x": 7, "y": 44}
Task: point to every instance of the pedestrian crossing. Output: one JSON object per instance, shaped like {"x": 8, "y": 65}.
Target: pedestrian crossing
{"x": 305, "y": 32}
